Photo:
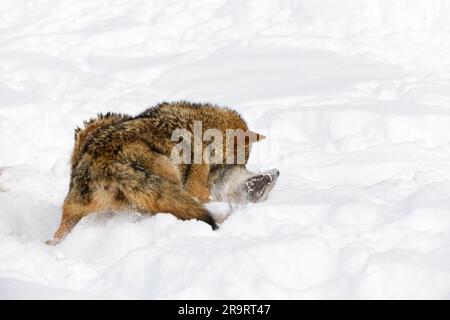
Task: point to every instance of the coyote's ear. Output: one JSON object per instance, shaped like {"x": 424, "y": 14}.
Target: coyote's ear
{"x": 255, "y": 137}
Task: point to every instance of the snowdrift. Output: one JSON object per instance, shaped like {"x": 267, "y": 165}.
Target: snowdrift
{"x": 354, "y": 96}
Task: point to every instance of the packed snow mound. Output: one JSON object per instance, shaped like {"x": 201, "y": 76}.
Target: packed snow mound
{"x": 353, "y": 97}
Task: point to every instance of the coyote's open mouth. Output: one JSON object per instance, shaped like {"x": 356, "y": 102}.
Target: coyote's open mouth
{"x": 240, "y": 186}
{"x": 259, "y": 186}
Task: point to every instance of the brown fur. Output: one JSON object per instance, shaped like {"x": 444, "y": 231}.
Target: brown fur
{"x": 122, "y": 162}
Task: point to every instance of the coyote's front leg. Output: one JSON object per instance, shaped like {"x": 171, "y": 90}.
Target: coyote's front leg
{"x": 197, "y": 182}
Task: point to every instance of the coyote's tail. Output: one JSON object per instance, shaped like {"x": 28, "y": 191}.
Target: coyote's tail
{"x": 153, "y": 194}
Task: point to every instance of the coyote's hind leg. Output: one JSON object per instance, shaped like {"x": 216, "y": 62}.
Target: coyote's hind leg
{"x": 72, "y": 214}
{"x": 74, "y": 210}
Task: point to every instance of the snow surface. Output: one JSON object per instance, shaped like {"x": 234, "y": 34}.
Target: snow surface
{"x": 355, "y": 96}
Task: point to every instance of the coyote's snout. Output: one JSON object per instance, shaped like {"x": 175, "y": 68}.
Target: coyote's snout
{"x": 120, "y": 162}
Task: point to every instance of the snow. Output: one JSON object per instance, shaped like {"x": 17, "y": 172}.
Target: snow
{"x": 353, "y": 97}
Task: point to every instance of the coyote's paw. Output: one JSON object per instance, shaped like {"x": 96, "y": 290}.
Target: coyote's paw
{"x": 52, "y": 242}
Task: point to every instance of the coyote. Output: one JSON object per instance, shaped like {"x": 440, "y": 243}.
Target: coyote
{"x": 122, "y": 162}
